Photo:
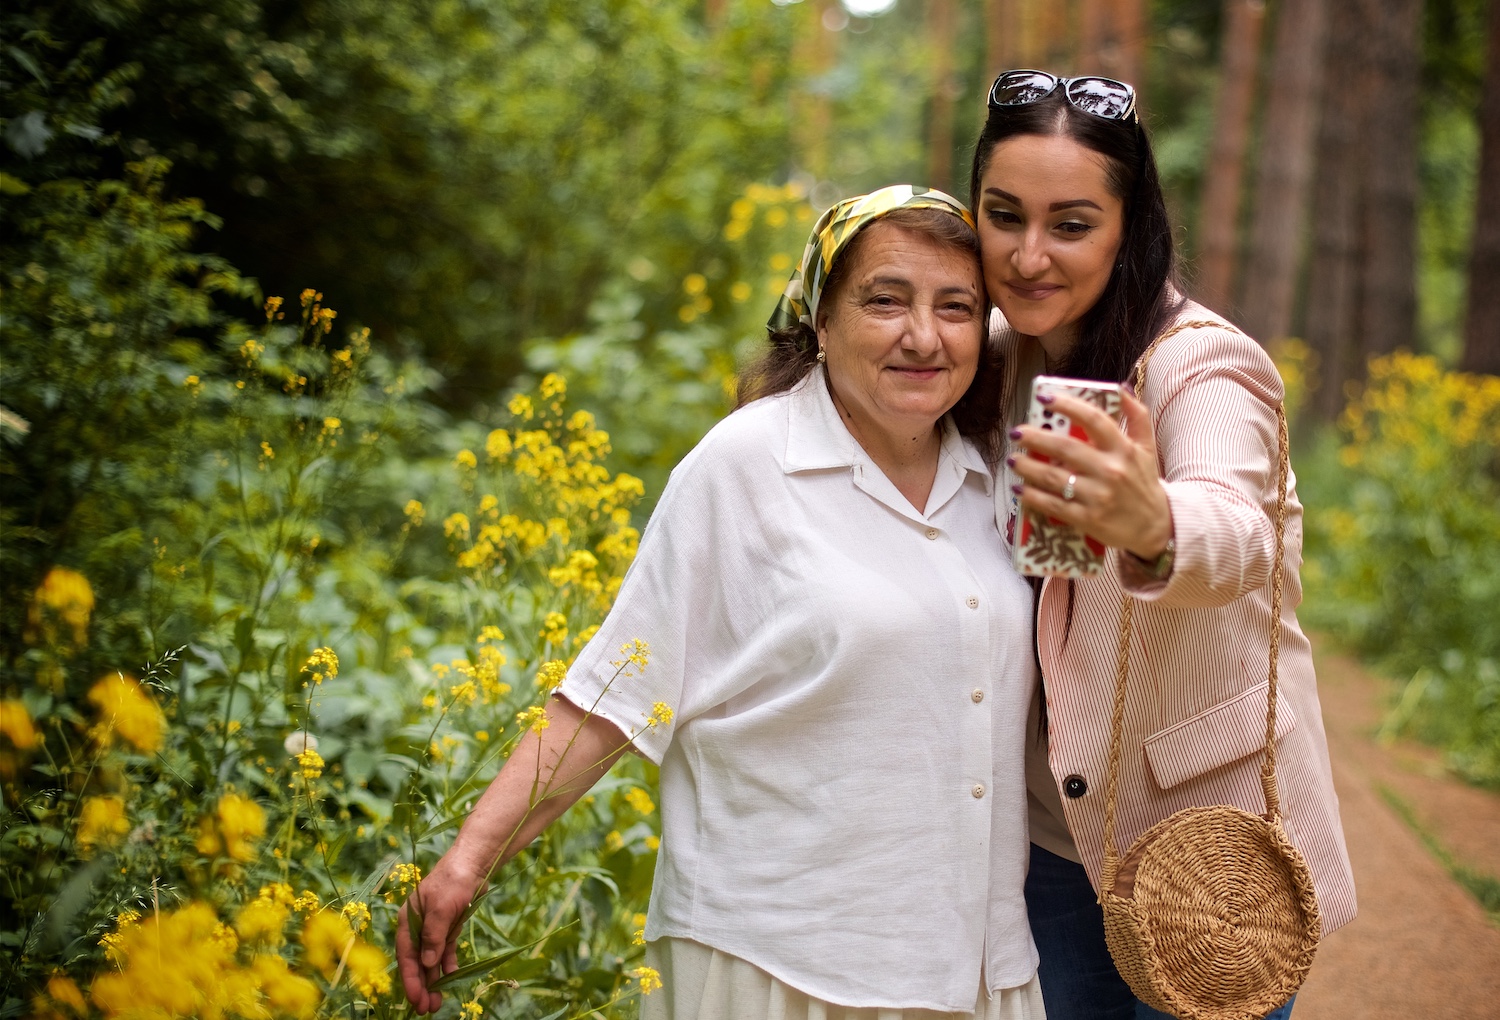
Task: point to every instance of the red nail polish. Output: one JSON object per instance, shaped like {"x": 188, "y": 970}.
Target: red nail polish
{"x": 1045, "y": 398}
{"x": 1015, "y": 433}
{"x": 1010, "y": 462}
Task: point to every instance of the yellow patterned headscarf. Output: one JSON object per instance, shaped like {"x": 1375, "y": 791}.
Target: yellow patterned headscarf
{"x": 832, "y": 234}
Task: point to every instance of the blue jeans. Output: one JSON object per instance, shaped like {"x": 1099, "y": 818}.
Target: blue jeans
{"x": 1079, "y": 980}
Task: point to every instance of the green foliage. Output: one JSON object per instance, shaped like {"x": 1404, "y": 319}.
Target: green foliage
{"x": 336, "y": 677}
{"x": 101, "y": 304}
{"x": 1403, "y": 547}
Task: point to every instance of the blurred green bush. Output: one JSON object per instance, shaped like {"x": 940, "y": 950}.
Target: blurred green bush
{"x": 1403, "y": 547}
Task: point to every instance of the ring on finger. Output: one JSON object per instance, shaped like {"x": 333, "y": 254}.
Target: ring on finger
{"x": 1067, "y": 490}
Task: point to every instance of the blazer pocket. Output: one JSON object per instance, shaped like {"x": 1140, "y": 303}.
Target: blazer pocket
{"x": 1229, "y": 731}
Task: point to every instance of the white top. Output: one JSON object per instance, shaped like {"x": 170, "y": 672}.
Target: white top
{"x": 842, "y": 789}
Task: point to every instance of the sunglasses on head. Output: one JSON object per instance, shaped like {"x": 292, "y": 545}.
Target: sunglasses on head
{"x": 1101, "y": 97}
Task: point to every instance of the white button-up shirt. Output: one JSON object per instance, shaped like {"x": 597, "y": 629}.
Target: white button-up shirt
{"x": 842, "y": 787}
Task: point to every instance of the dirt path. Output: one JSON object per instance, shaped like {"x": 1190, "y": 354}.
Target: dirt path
{"x": 1421, "y": 948}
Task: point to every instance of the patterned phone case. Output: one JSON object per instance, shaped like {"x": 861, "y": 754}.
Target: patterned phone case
{"x": 1047, "y": 547}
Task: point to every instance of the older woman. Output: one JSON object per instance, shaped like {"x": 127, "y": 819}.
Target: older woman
{"x": 1078, "y": 258}
{"x": 846, "y": 653}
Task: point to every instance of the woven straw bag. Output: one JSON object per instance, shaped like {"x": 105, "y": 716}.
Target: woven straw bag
{"x": 1211, "y": 914}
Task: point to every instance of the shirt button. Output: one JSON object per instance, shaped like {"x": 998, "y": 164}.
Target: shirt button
{"x": 1075, "y": 787}
{"x": 932, "y": 533}
{"x": 978, "y": 790}
{"x": 978, "y": 695}
{"x": 973, "y": 603}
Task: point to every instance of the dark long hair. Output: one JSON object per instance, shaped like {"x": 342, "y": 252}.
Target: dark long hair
{"x": 1141, "y": 296}
{"x": 793, "y": 350}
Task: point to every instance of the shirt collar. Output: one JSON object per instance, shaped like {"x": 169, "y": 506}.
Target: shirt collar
{"x": 817, "y": 440}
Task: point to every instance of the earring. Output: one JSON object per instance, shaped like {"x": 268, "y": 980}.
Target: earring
{"x": 822, "y": 356}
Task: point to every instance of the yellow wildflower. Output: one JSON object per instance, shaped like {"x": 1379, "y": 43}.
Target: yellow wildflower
{"x": 440, "y": 669}
{"x": 694, "y": 283}
{"x": 261, "y": 920}
{"x": 555, "y": 628}
{"x": 470, "y": 1010}
{"x": 332, "y": 426}
{"x": 613, "y": 841}
{"x": 16, "y": 724}
{"x": 653, "y": 842}
{"x": 497, "y": 445}
{"x": 273, "y": 305}
{"x": 306, "y": 902}
{"x": 192, "y": 382}
{"x": 661, "y": 715}
{"x": 236, "y": 822}
{"x": 534, "y": 718}
{"x": 639, "y": 938}
{"x": 322, "y": 664}
{"x": 649, "y": 979}
{"x": 325, "y": 936}
{"x": 286, "y": 993}
{"x": 267, "y": 453}
{"x": 520, "y": 406}
{"x": 551, "y": 673}
{"x": 482, "y": 736}
{"x": 369, "y": 969}
{"x": 456, "y": 526}
{"x": 357, "y": 914}
{"x": 491, "y": 633}
{"x": 102, "y": 822}
{"x": 61, "y": 991}
{"x": 64, "y": 595}
{"x": 465, "y": 459}
{"x": 403, "y": 878}
{"x": 311, "y": 763}
{"x": 640, "y": 800}
{"x": 126, "y": 709}
{"x": 415, "y": 512}
{"x": 553, "y": 385}
{"x": 179, "y": 963}
{"x": 465, "y": 693}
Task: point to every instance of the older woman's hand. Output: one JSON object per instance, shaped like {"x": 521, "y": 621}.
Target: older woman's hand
{"x": 1118, "y": 496}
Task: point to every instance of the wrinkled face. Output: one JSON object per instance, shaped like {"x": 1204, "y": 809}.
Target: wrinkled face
{"x": 903, "y": 330}
{"x": 1050, "y": 231}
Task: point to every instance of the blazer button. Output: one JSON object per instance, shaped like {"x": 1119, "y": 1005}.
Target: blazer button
{"x": 1075, "y": 786}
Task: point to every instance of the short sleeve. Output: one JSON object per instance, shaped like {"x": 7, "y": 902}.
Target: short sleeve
{"x": 684, "y": 597}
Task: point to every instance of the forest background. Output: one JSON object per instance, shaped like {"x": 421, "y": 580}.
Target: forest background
{"x": 301, "y": 516}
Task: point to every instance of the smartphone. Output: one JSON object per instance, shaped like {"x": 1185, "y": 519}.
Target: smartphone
{"x": 1045, "y": 546}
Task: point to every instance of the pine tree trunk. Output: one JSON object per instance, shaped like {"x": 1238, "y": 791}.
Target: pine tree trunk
{"x": 940, "y": 33}
{"x": 1284, "y": 171}
{"x": 1112, "y": 39}
{"x": 1219, "y": 215}
{"x": 1001, "y": 32}
{"x": 1389, "y": 313}
{"x": 1482, "y": 325}
{"x": 1334, "y": 291}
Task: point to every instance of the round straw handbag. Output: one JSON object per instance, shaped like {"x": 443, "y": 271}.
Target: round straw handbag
{"x": 1210, "y": 915}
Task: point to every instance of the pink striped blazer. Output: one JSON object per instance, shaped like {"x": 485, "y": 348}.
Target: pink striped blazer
{"x": 1196, "y": 698}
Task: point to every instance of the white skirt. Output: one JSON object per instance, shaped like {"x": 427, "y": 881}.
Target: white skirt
{"x": 702, "y": 983}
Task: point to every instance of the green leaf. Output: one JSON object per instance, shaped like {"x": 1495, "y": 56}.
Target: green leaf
{"x": 489, "y": 963}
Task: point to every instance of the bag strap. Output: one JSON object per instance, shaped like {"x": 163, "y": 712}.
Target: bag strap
{"x": 1122, "y": 667}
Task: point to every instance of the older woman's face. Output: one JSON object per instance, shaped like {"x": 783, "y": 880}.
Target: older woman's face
{"x": 903, "y": 332}
{"x": 1050, "y": 230}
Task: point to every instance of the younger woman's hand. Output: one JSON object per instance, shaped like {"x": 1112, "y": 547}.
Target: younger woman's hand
{"x": 1117, "y": 495}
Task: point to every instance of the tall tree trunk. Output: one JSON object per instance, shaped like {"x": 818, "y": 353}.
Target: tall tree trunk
{"x": 1482, "y": 325}
{"x": 1219, "y": 216}
{"x": 1130, "y": 23}
{"x": 1334, "y": 281}
{"x": 1284, "y": 171}
{"x": 1390, "y": 212}
{"x": 941, "y": 24}
{"x": 1002, "y": 30}
{"x": 814, "y": 53}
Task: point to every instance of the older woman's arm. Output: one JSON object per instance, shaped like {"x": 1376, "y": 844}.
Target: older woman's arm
{"x": 544, "y": 776}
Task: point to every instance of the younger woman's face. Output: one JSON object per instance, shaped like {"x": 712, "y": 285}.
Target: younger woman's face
{"x": 1050, "y": 231}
